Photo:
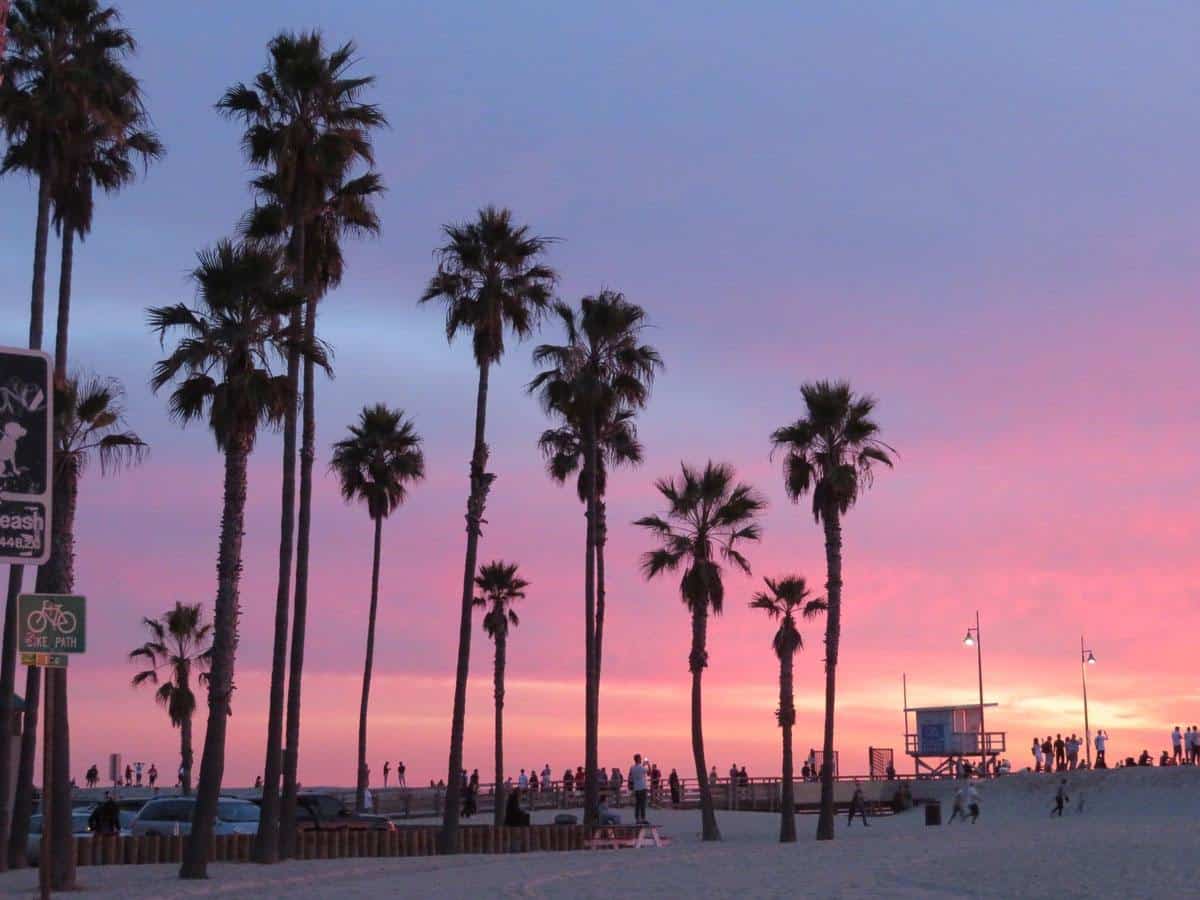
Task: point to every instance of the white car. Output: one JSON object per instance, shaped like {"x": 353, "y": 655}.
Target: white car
{"x": 80, "y": 827}
{"x": 173, "y": 815}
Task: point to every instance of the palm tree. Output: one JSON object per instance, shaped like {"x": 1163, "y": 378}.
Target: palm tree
{"x": 62, "y": 66}
{"x": 376, "y": 465}
{"x": 99, "y": 153}
{"x": 306, "y": 129}
{"x": 591, "y": 382}
{"x": 179, "y": 642}
{"x": 89, "y": 423}
{"x": 232, "y": 335}
{"x": 830, "y": 453}
{"x": 499, "y": 587}
{"x": 491, "y": 280}
{"x": 708, "y": 518}
{"x": 782, "y": 599}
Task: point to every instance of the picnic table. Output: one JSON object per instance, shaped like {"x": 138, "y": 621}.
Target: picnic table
{"x": 620, "y": 837}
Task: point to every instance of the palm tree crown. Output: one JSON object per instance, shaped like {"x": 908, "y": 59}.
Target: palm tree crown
{"x": 234, "y": 332}
{"x": 499, "y": 587}
{"x": 782, "y": 600}
{"x": 490, "y": 279}
{"x": 708, "y": 517}
{"x": 90, "y": 416}
{"x": 831, "y": 451}
{"x": 179, "y": 643}
{"x": 379, "y": 460}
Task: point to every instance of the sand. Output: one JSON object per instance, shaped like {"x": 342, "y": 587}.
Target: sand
{"x": 1136, "y": 835}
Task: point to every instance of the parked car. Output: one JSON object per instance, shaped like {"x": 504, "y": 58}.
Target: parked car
{"x": 325, "y": 812}
{"x": 173, "y": 815}
{"x": 33, "y": 844}
{"x": 128, "y": 810}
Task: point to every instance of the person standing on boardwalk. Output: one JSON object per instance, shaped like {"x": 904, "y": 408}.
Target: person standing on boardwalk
{"x": 1060, "y": 753}
{"x": 153, "y": 775}
{"x": 1101, "y": 746}
{"x": 858, "y": 804}
{"x": 637, "y": 784}
{"x": 673, "y": 782}
{"x": 400, "y": 782}
{"x": 1048, "y": 754}
{"x": 1060, "y": 799}
{"x": 387, "y": 768}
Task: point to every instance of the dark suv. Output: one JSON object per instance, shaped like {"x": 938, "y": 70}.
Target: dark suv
{"x": 325, "y": 812}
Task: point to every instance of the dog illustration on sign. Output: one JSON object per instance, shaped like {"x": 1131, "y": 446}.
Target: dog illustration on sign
{"x": 12, "y": 433}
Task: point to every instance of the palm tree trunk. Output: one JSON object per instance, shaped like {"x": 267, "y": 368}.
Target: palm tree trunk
{"x": 23, "y": 801}
{"x": 8, "y": 687}
{"x": 833, "y": 621}
{"x": 266, "y": 841}
{"x": 498, "y": 694}
{"x": 591, "y": 792}
{"x": 64, "y": 301}
{"x": 224, "y": 648}
{"x": 57, "y": 576}
{"x": 481, "y": 481}
{"x": 291, "y": 753}
{"x": 41, "y": 240}
{"x": 697, "y": 662}
{"x": 185, "y": 755}
{"x": 601, "y": 539}
{"x": 787, "y": 718}
{"x": 360, "y": 791}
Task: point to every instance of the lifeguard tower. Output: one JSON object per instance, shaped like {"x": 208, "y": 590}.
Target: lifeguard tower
{"x": 943, "y": 733}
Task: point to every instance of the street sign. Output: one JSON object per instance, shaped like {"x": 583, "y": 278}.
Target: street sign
{"x": 45, "y": 660}
{"x": 51, "y": 623}
{"x": 26, "y": 455}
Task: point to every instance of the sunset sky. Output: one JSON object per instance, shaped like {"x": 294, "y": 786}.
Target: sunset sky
{"x": 983, "y": 214}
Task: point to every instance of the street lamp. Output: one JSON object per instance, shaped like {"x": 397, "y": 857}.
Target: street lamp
{"x": 1086, "y": 658}
{"x": 972, "y": 640}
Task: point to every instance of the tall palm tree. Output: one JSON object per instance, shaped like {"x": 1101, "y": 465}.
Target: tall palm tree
{"x": 782, "y": 599}
{"x": 306, "y": 130}
{"x": 89, "y": 423}
{"x": 499, "y": 587}
{"x": 376, "y": 464}
{"x": 62, "y": 65}
{"x": 830, "y": 453}
{"x": 708, "y": 518}
{"x": 180, "y": 642}
{"x": 491, "y": 279}
{"x": 590, "y": 382}
{"x": 221, "y": 366}
{"x": 100, "y": 152}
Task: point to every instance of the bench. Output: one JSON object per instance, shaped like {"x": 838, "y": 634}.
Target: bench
{"x": 622, "y": 837}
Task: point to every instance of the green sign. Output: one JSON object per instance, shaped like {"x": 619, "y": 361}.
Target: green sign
{"x": 51, "y": 623}
{"x": 45, "y": 660}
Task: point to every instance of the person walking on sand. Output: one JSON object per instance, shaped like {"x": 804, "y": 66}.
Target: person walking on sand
{"x": 1060, "y": 799}
{"x": 858, "y": 804}
{"x": 637, "y": 784}
{"x": 972, "y": 803}
{"x": 959, "y": 811}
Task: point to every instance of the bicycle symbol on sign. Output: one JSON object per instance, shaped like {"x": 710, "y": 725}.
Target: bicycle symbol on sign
{"x": 51, "y": 614}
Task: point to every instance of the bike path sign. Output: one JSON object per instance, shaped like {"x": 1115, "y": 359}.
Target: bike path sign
{"x": 26, "y": 457}
{"x": 51, "y": 623}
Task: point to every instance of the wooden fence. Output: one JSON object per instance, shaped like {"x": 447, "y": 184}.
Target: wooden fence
{"x": 108, "y": 850}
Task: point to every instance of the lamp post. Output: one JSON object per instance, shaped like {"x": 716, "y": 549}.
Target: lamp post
{"x": 1086, "y": 658}
{"x": 972, "y": 640}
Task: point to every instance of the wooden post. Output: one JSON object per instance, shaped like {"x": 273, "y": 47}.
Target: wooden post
{"x": 45, "y": 856}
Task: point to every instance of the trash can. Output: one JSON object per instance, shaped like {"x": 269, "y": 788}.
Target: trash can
{"x": 933, "y": 813}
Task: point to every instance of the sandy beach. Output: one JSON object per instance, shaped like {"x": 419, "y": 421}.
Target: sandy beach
{"x": 1134, "y": 836}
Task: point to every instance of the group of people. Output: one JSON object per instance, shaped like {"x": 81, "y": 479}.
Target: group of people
{"x": 132, "y": 775}
{"x": 400, "y": 773}
{"x": 1185, "y": 747}
{"x": 737, "y": 777}
{"x": 1061, "y": 754}
{"x": 637, "y": 781}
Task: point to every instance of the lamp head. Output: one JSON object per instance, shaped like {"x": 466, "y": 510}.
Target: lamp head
{"x": 1091, "y": 658}
{"x": 969, "y": 640}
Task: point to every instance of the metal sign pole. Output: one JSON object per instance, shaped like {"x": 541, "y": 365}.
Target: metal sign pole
{"x": 46, "y": 850}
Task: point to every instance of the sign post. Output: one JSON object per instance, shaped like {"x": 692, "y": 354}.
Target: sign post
{"x": 49, "y": 627}
{"x": 26, "y": 455}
